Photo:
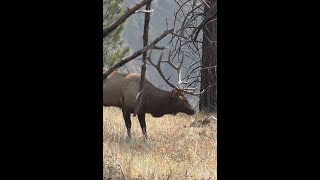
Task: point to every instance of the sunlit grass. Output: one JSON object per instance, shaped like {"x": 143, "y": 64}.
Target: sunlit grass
{"x": 172, "y": 148}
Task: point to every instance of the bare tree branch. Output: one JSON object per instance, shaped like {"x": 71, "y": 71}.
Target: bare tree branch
{"x": 149, "y": 11}
{"x": 212, "y": 15}
{"x": 137, "y": 53}
{"x": 159, "y": 47}
{"x": 122, "y": 18}
{"x": 178, "y": 68}
{"x": 204, "y": 2}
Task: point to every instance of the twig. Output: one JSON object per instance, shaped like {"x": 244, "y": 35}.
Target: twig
{"x": 126, "y": 68}
{"x": 169, "y": 175}
{"x": 211, "y": 15}
{"x": 195, "y": 166}
{"x": 204, "y": 2}
{"x": 167, "y": 23}
{"x": 160, "y": 47}
{"x": 145, "y": 11}
{"x": 122, "y": 171}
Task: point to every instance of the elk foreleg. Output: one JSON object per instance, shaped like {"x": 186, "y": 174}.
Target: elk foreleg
{"x": 142, "y": 122}
{"x": 126, "y": 117}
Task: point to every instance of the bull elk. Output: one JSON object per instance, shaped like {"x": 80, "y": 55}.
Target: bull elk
{"x": 122, "y": 90}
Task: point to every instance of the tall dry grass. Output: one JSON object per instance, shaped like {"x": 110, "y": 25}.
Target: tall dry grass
{"x": 173, "y": 149}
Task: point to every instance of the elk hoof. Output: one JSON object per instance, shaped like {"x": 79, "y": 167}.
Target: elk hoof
{"x": 145, "y": 137}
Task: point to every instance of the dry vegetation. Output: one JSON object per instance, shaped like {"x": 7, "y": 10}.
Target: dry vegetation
{"x": 173, "y": 150}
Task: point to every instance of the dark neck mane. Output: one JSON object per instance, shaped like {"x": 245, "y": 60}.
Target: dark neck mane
{"x": 158, "y": 103}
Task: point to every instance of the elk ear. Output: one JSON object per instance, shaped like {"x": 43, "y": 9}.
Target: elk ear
{"x": 173, "y": 93}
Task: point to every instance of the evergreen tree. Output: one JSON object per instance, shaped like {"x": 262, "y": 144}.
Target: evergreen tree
{"x": 114, "y": 48}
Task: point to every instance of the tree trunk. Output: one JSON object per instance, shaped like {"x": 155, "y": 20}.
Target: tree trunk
{"x": 208, "y": 100}
{"x": 144, "y": 57}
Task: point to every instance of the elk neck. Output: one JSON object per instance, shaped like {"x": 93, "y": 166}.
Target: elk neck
{"x": 157, "y": 103}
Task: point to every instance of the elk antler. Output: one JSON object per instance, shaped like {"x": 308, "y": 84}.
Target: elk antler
{"x": 177, "y": 68}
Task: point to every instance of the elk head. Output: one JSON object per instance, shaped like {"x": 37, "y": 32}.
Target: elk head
{"x": 179, "y": 103}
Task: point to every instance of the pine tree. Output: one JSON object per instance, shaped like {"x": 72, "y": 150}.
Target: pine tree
{"x": 114, "y": 48}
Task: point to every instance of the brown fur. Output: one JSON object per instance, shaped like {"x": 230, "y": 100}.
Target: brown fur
{"x": 120, "y": 90}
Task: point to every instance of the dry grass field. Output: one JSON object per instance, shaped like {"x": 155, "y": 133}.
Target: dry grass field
{"x": 174, "y": 150}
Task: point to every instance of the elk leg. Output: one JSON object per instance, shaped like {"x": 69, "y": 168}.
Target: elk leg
{"x": 126, "y": 117}
{"x": 142, "y": 122}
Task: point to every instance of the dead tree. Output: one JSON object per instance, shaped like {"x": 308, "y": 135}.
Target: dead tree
{"x": 195, "y": 37}
{"x": 144, "y": 55}
{"x": 208, "y": 100}
{"x": 181, "y": 84}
